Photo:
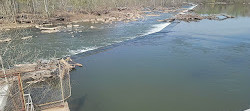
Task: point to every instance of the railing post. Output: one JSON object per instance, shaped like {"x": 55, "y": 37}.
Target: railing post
{"x": 20, "y": 85}
{"x": 61, "y": 81}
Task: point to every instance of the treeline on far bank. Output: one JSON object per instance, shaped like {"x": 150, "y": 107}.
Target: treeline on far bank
{"x": 10, "y": 10}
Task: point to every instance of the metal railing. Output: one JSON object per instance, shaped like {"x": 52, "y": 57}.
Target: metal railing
{"x": 25, "y": 95}
{"x": 29, "y": 103}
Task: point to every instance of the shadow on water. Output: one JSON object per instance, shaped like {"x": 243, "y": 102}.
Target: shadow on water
{"x": 77, "y": 103}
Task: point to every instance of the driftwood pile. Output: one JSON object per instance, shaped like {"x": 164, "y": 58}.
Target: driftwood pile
{"x": 196, "y": 17}
{"x": 40, "y": 70}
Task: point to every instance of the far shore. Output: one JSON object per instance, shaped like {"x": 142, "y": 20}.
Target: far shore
{"x": 123, "y": 14}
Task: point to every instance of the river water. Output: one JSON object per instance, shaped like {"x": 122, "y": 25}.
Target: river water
{"x": 197, "y": 66}
{"x": 152, "y": 66}
{"x": 77, "y": 39}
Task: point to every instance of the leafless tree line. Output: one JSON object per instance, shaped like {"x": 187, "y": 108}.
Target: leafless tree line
{"x": 11, "y": 8}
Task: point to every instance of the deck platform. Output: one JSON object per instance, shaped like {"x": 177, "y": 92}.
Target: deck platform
{"x": 62, "y": 107}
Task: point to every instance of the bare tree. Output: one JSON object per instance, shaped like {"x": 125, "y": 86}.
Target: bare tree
{"x": 46, "y": 7}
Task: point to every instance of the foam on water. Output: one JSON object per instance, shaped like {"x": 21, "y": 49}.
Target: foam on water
{"x": 85, "y": 49}
{"x": 192, "y": 7}
{"x": 157, "y": 28}
{"x": 187, "y": 9}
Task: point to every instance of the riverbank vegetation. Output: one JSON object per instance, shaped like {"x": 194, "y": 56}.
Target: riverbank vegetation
{"x": 29, "y": 11}
{"x": 45, "y": 11}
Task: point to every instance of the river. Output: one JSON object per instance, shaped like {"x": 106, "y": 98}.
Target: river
{"x": 148, "y": 65}
{"x": 197, "y": 66}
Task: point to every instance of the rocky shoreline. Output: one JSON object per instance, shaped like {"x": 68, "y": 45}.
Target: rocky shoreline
{"x": 122, "y": 14}
{"x": 119, "y": 14}
{"x": 197, "y": 17}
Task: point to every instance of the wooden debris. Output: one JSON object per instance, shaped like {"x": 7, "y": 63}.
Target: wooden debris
{"x": 28, "y": 37}
{"x": 5, "y": 40}
{"x": 21, "y": 68}
{"x": 76, "y": 25}
{"x": 68, "y": 59}
{"x": 227, "y": 16}
{"x": 41, "y": 70}
{"x": 92, "y": 27}
{"x": 49, "y": 31}
{"x": 69, "y": 26}
{"x": 77, "y": 64}
{"x": 48, "y": 28}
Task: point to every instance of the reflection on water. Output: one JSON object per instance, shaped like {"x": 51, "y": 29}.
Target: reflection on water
{"x": 232, "y": 9}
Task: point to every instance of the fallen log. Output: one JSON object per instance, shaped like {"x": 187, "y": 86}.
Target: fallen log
{"x": 227, "y": 16}
{"x": 5, "y": 40}
{"x": 28, "y": 37}
{"x": 49, "y": 31}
